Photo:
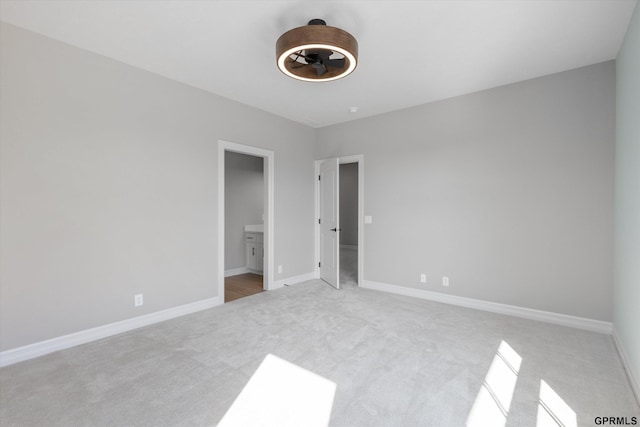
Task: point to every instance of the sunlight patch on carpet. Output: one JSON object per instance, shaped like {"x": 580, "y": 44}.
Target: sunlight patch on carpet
{"x": 493, "y": 401}
{"x": 281, "y": 394}
{"x": 553, "y": 411}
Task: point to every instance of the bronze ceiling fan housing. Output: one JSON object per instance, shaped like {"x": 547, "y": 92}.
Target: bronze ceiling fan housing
{"x": 308, "y": 53}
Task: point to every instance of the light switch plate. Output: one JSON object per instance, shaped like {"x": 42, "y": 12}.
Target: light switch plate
{"x": 368, "y": 219}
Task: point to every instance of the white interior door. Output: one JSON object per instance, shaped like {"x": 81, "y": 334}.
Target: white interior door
{"x": 329, "y": 223}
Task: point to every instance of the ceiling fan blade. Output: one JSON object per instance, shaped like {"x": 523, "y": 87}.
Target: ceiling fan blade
{"x": 318, "y": 59}
{"x": 336, "y": 63}
{"x": 324, "y": 54}
{"x": 320, "y": 70}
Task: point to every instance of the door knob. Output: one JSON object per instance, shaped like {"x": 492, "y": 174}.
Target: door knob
{"x": 336, "y": 229}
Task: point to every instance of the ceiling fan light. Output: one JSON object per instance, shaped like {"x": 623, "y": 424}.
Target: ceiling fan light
{"x": 316, "y": 37}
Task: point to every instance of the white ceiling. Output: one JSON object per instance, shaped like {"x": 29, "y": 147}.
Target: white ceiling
{"x": 410, "y": 52}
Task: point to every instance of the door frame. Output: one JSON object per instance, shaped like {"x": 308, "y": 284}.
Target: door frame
{"x": 359, "y": 159}
{"x": 268, "y": 174}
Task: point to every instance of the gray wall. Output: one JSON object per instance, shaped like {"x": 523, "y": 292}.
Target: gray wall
{"x": 349, "y": 204}
{"x": 108, "y": 188}
{"x": 243, "y": 203}
{"x": 507, "y": 191}
{"x": 626, "y": 317}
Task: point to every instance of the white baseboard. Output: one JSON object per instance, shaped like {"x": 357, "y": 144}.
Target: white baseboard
{"x": 293, "y": 280}
{"x": 19, "y": 354}
{"x": 631, "y": 375}
{"x": 511, "y": 310}
{"x": 236, "y": 271}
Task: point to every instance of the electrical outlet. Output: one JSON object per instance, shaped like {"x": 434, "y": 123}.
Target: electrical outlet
{"x": 279, "y": 269}
{"x": 445, "y": 281}
{"x": 138, "y": 300}
{"x": 423, "y": 278}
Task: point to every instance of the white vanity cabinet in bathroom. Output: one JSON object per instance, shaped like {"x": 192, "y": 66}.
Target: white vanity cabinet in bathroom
{"x": 254, "y": 250}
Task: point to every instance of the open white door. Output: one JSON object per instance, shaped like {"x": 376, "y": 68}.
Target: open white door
{"x": 329, "y": 223}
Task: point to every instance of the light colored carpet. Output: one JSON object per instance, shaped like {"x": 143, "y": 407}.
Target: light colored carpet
{"x": 396, "y": 361}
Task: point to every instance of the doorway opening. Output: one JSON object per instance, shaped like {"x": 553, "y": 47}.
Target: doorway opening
{"x": 348, "y": 214}
{"x": 243, "y": 227}
{"x": 245, "y": 222}
{"x": 340, "y": 225}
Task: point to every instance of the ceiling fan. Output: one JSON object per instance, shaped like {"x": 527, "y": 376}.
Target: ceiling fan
{"x": 318, "y": 59}
{"x": 316, "y": 52}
